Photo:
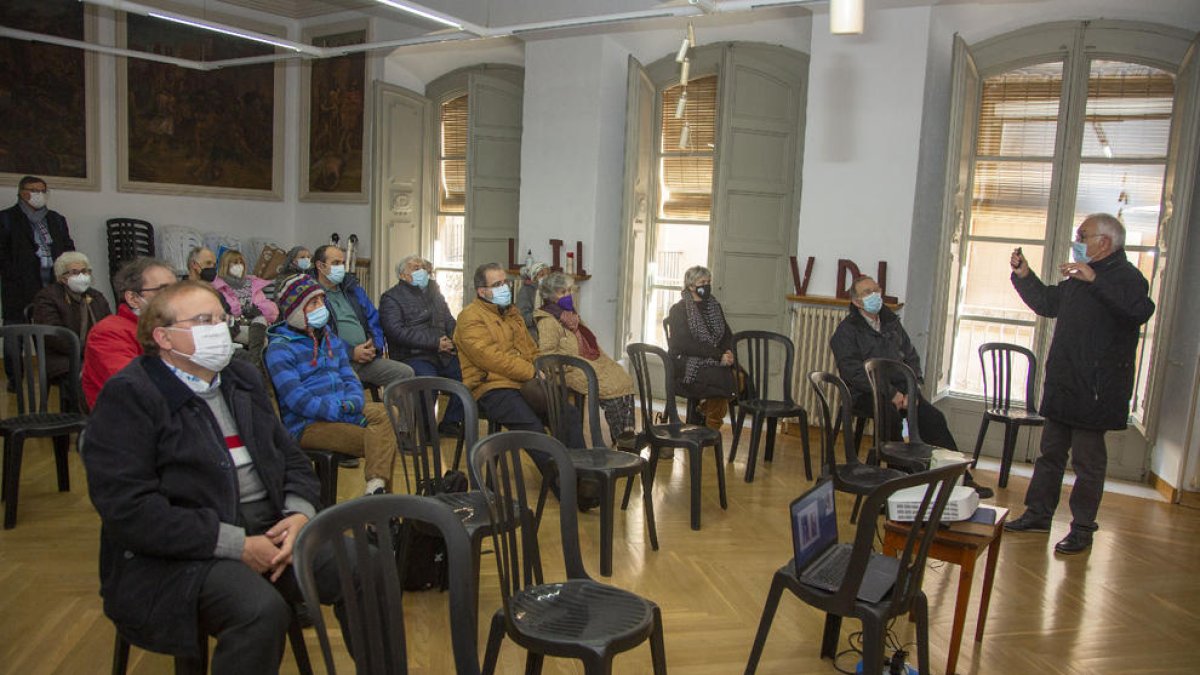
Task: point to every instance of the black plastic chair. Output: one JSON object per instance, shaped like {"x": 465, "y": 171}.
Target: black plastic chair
{"x": 25, "y": 348}
{"x": 578, "y": 618}
{"x": 885, "y": 375}
{"x": 692, "y": 410}
{"x": 996, "y": 360}
{"x": 128, "y": 238}
{"x": 852, "y": 476}
{"x": 359, "y": 534}
{"x": 199, "y": 666}
{"x": 412, "y": 410}
{"x": 597, "y": 463}
{"x": 905, "y": 596}
{"x": 757, "y": 346}
{"x": 674, "y": 434}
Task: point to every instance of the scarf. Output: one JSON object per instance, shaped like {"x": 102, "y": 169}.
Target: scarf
{"x": 588, "y": 347}
{"x": 706, "y": 323}
{"x": 243, "y": 290}
{"x": 86, "y": 318}
{"x": 41, "y": 237}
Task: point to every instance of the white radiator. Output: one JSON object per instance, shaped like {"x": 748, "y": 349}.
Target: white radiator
{"x": 812, "y": 326}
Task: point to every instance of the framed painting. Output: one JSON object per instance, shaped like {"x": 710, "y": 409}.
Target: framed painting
{"x": 49, "y": 96}
{"x": 335, "y": 117}
{"x": 216, "y": 133}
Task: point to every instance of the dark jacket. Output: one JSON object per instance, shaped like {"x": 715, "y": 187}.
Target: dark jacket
{"x": 715, "y": 381}
{"x": 1090, "y": 367}
{"x": 855, "y": 341}
{"x": 20, "y": 269}
{"x": 162, "y": 480}
{"x": 364, "y": 311}
{"x": 414, "y": 320}
{"x": 55, "y": 306}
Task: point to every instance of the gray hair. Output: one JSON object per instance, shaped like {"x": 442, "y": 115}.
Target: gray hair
{"x": 1109, "y": 226}
{"x": 194, "y": 254}
{"x": 553, "y": 283}
{"x": 480, "y": 278}
{"x": 69, "y": 258}
{"x": 403, "y": 264}
{"x": 694, "y": 273}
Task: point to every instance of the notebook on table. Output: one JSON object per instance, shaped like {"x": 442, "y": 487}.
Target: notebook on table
{"x": 820, "y": 560}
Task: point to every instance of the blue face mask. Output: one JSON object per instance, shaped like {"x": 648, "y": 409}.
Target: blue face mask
{"x": 337, "y": 273}
{"x": 1079, "y": 252}
{"x": 318, "y": 317}
{"x": 873, "y": 303}
{"x": 567, "y": 302}
{"x": 420, "y": 278}
{"x": 502, "y": 296}
{"x": 303, "y": 264}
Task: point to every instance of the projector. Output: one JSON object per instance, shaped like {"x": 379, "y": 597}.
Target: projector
{"x": 904, "y": 504}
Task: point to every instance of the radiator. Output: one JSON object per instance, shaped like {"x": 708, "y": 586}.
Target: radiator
{"x": 812, "y": 326}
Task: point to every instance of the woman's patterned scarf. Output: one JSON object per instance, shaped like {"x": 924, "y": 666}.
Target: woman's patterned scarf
{"x": 706, "y": 323}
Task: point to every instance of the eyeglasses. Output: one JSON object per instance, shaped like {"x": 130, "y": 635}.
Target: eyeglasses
{"x": 207, "y": 320}
{"x": 75, "y": 273}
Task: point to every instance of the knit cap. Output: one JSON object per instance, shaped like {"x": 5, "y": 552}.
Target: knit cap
{"x": 295, "y": 293}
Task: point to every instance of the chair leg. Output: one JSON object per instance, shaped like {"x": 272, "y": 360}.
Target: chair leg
{"x": 1010, "y": 446}
{"x": 695, "y": 462}
{"x": 830, "y": 636}
{"x": 983, "y": 426}
{"x": 628, "y": 492}
{"x": 737, "y": 433}
{"x": 495, "y": 637}
{"x": 13, "y": 448}
{"x": 764, "y": 623}
{"x": 756, "y": 425}
{"x": 772, "y": 427}
{"x": 658, "y": 652}
{"x": 120, "y": 656}
{"x": 854, "y": 511}
{"x": 607, "y": 499}
{"x": 458, "y": 450}
{"x": 718, "y": 449}
{"x": 62, "y": 447}
{"x": 299, "y": 649}
{"x": 872, "y": 644}
{"x": 859, "y": 427}
{"x": 647, "y": 504}
{"x": 541, "y": 502}
{"x": 533, "y": 663}
{"x": 920, "y": 610}
{"x": 598, "y": 664}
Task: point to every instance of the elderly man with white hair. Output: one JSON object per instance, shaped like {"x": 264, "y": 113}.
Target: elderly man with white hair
{"x": 418, "y": 326}
{"x": 1100, "y": 307}
{"x": 72, "y": 303}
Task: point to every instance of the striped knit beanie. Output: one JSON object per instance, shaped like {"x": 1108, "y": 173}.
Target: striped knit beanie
{"x": 294, "y": 295}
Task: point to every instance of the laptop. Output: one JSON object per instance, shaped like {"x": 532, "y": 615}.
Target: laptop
{"x": 821, "y": 561}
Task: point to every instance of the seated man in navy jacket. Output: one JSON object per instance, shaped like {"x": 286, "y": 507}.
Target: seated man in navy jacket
{"x": 201, "y": 493}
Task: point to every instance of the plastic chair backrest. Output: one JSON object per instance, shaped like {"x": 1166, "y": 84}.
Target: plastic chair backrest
{"x": 939, "y": 484}
{"x": 884, "y": 374}
{"x": 639, "y": 354}
{"x": 360, "y": 536}
{"x": 753, "y": 350}
{"x": 496, "y": 466}
{"x": 821, "y": 381}
{"x": 25, "y": 349}
{"x": 997, "y": 389}
{"x": 412, "y": 409}
{"x": 554, "y": 368}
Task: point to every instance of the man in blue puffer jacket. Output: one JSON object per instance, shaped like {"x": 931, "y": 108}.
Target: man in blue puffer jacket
{"x": 320, "y": 398}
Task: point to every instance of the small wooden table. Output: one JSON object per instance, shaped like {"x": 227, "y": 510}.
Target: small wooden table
{"x": 960, "y": 544}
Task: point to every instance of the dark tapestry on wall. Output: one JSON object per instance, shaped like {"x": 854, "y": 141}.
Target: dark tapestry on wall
{"x": 206, "y": 128}
{"x": 43, "y": 92}
{"x": 335, "y": 134}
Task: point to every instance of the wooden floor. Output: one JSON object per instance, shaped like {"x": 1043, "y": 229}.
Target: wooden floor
{"x": 1131, "y": 605}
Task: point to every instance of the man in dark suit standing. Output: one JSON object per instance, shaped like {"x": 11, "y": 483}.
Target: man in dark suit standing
{"x": 31, "y": 239}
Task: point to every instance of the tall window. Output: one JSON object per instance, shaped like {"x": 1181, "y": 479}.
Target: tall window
{"x": 451, "y": 200}
{"x": 1112, "y": 158}
{"x": 683, "y": 214}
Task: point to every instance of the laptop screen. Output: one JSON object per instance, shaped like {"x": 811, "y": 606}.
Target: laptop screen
{"x": 814, "y": 524}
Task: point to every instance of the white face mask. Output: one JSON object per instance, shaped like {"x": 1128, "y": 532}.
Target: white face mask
{"x": 214, "y": 346}
{"x": 37, "y": 199}
{"x": 79, "y": 283}
{"x": 236, "y": 271}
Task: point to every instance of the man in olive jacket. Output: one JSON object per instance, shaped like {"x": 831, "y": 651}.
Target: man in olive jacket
{"x": 1089, "y": 371}
{"x": 201, "y": 493}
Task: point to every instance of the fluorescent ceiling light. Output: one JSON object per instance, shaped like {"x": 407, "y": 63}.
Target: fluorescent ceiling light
{"x": 423, "y": 13}
{"x": 227, "y": 31}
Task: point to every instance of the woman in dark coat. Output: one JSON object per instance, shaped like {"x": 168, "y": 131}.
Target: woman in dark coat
{"x": 700, "y": 345}
{"x": 71, "y": 303}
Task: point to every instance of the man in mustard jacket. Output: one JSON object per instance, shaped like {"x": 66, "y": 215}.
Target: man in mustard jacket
{"x": 497, "y": 355}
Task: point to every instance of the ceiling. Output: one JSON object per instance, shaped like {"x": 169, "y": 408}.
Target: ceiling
{"x": 302, "y": 9}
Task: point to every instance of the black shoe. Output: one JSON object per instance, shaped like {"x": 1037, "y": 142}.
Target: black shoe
{"x": 454, "y": 429}
{"x": 347, "y": 462}
{"x": 588, "y": 496}
{"x": 983, "y": 491}
{"x": 1028, "y": 523}
{"x": 302, "y": 616}
{"x": 1074, "y": 543}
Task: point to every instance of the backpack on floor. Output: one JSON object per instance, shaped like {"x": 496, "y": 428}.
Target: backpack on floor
{"x": 421, "y": 553}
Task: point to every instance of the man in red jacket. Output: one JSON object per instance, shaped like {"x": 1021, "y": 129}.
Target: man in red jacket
{"x": 113, "y": 342}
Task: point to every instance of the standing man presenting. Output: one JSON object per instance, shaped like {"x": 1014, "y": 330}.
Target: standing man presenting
{"x": 1089, "y": 371}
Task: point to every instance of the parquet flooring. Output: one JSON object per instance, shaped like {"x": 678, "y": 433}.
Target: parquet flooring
{"x": 1131, "y": 605}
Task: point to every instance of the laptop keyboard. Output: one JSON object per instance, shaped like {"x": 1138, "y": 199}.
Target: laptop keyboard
{"x": 829, "y": 571}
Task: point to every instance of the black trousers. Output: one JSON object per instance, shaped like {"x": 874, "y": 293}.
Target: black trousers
{"x": 1089, "y": 459}
{"x": 247, "y": 613}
